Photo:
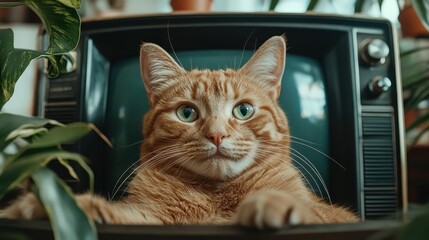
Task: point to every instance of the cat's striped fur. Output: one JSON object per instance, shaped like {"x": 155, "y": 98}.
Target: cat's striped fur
{"x": 217, "y": 168}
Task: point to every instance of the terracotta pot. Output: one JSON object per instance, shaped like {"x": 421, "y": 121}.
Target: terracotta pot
{"x": 411, "y": 26}
{"x": 191, "y": 5}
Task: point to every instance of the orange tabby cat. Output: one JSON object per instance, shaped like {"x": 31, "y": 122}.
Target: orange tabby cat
{"x": 216, "y": 151}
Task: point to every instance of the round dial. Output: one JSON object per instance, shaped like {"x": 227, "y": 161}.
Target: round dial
{"x": 379, "y": 85}
{"x": 375, "y": 51}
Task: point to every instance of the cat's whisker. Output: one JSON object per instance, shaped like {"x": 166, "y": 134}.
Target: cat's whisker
{"x": 244, "y": 47}
{"x": 307, "y": 162}
{"x": 165, "y": 168}
{"x": 307, "y": 143}
{"x": 318, "y": 176}
{"x": 150, "y": 162}
{"x": 312, "y": 167}
{"x": 173, "y": 163}
{"x": 301, "y": 174}
{"x": 171, "y": 45}
{"x": 304, "y": 159}
{"x": 268, "y": 154}
{"x": 324, "y": 154}
{"x": 142, "y": 141}
{"x": 120, "y": 177}
{"x": 302, "y": 140}
{"x": 235, "y": 63}
{"x": 132, "y": 165}
{"x": 133, "y": 144}
{"x": 123, "y": 182}
{"x": 290, "y": 164}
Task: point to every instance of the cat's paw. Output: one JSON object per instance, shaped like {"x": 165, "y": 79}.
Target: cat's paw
{"x": 26, "y": 207}
{"x": 273, "y": 209}
{"x": 99, "y": 209}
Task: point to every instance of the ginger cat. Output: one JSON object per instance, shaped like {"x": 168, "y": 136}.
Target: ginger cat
{"x": 216, "y": 151}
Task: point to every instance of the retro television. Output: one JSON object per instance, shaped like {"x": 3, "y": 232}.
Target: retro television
{"x": 341, "y": 92}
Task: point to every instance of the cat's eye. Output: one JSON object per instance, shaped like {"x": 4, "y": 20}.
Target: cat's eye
{"x": 243, "y": 111}
{"x": 187, "y": 113}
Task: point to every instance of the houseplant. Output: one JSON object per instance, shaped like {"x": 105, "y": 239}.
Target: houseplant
{"x": 191, "y": 5}
{"x": 415, "y": 71}
{"x": 414, "y": 18}
{"x": 358, "y": 5}
{"x": 28, "y": 144}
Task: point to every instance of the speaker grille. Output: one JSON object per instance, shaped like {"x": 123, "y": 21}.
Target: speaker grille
{"x": 64, "y": 112}
{"x": 378, "y": 164}
{"x": 380, "y": 203}
{"x": 380, "y": 187}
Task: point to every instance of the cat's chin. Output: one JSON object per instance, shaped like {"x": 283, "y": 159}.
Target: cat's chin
{"x": 220, "y": 167}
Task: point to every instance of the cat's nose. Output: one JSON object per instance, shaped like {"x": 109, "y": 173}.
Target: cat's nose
{"x": 216, "y": 138}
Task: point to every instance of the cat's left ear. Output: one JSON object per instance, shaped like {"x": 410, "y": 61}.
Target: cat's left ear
{"x": 267, "y": 64}
{"x": 158, "y": 69}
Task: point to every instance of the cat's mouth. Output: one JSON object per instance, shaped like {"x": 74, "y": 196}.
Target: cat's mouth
{"x": 221, "y": 154}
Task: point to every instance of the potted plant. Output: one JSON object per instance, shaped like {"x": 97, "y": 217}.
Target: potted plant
{"x": 191, "y": 5}
{"x": 358, "y": 4}
{"x": 415, "y": 68}
{"x": 28, "y": 144}
{"x": 414, "y": 19}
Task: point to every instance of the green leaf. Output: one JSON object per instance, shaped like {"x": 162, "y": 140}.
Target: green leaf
{"x": 62, "y": 134}
{"x": 26, "y": 132}
{"x": 14, "y": 174}
{"x": 69, "y": 168}
{"x": 358, "y": 6}
{"x": 71, "y": 3}
{"x": 62, "y": 23}
{"x": 312, "y": 5}
{"x": 58, "y": 64}
{"x": 68, "y": 220}
{"x": 419, "y": 93}
{"x": 273, "y": 4}
{"x": 13, "y": 62}
{"x": 413, "y": 50}
{"x": 30, "y": 161}
{"x": 380, "y": 3}
{"x": 414, "y": 71}
{"x": 12, "y": 4}
{"x": 416, "y": 229}
{"x": 12, "y": 126}
{"x": 422, "y": 8}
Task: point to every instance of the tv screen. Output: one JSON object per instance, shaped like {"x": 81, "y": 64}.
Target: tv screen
{"x": 303, "y": 99}
{"x": 343, "y": 102}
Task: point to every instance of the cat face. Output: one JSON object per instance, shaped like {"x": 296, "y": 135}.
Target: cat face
{"x": 213, "y": 123}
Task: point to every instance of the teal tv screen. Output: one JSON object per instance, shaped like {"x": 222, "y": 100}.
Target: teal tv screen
{"x": 303, "y": 98}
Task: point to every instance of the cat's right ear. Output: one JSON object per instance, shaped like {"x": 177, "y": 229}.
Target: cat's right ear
{"x": 158, "y": 70}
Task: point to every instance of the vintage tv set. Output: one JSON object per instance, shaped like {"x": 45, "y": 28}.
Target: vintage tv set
{"x": 341, "y": 92}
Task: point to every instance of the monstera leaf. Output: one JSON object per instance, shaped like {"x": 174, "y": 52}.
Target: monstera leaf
{"x": 62, "y": 23}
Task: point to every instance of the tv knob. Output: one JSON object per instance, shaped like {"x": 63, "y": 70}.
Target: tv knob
{"x": 379, "y": 85}
{"x": 375, "y": 51}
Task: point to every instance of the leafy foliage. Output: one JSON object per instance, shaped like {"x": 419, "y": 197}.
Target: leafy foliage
{"x": 62, "y": 23}
{"x": 67, "y": 221}
{"x": 415, "y": 83}
{"x": 36, "y": 144}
